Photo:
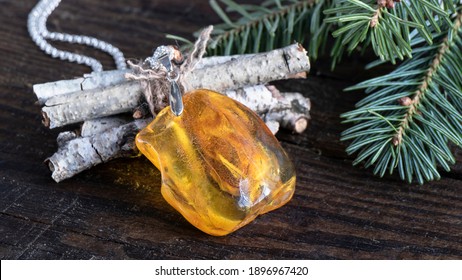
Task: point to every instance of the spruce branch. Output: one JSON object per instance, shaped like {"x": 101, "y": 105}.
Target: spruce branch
{"x": 273, "y": 22}
{"x": 271, "y": 25}
{"x": 384, "y": 25}
{"x": 413, "y": 114}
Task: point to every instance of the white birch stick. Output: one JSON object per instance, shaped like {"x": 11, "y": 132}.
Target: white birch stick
{"x": 255, "y": 69}
{"x": 79, "y": 154}
{"x": 251, "y": 69}
{"x": 100, "y": 125}
{"x": 87, "y": 82}
{"x": 288, "y": 110}
{"x": 295, "y": 116}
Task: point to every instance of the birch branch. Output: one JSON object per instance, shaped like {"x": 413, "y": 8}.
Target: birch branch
{"x": 87, "y": 82}
{"x": 288, "y": 110}
{"x": 78, "y": 154}
{"x": 100, "y": 125}
{"x": 119, "y": 97}
{"x": 254, "y": 69}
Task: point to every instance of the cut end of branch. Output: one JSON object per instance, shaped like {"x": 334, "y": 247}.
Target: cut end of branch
{"x": 45, "y": 120}
{"x": 300, "y": 125}
{"x": 54, "y": 175}
{"x": 137, "y": 114}
{"x": 50, "y": 164}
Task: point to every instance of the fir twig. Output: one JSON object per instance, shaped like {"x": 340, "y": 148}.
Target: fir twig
{"x": 273, "y": 24}
{"x": 413, "y": 113}
{"x": 384, "y": 25}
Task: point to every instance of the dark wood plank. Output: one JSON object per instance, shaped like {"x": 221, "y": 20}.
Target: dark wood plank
{"x": 116, "y": 211}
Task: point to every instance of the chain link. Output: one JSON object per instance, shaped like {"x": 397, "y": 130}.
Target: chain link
{"x": 36, "y": 24}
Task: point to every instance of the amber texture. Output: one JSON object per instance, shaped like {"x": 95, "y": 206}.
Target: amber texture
{"x": 221, "y": 166}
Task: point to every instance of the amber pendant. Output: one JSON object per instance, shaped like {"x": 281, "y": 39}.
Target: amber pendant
{"x": 221, "y": 166}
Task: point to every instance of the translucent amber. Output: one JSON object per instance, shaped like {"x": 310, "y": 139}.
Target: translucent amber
{"x": 221, "y": 166}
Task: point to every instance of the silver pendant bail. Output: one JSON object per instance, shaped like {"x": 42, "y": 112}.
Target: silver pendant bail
{"x": 163, "y": 57}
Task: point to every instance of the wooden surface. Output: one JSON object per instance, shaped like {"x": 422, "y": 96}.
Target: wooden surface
{"x": 116, "y": 211}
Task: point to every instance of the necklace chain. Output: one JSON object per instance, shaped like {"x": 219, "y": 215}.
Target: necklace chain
{"x": 36, "y": 24}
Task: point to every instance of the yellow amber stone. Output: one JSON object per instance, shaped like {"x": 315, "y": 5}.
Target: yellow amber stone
{"x": 221, "y": 166}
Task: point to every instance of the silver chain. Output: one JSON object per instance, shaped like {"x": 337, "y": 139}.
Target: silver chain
{"x": 36, "y": 24}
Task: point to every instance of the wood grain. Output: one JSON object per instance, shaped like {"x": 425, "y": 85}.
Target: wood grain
{"x": 116, "y": 211}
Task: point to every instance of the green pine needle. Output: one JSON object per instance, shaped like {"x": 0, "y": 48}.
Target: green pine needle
{"x": 386, "y": 29}
{"x": 411, "y": 115}
{"x": 273, "y": 24}
{"x": 277, "y": 23}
